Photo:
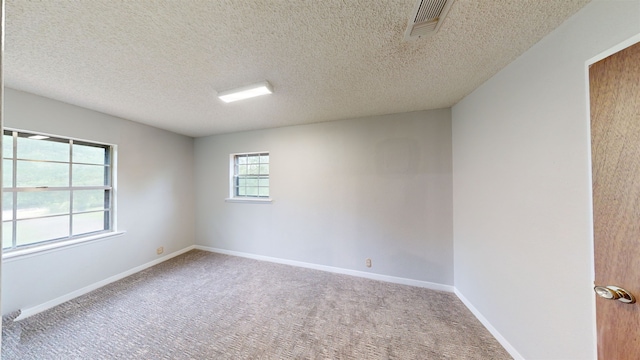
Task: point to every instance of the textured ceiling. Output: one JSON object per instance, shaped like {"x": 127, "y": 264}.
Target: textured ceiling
{"x": 160, "y": 62}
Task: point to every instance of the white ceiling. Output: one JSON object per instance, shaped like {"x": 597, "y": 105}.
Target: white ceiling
{"x": 160, "y": 62}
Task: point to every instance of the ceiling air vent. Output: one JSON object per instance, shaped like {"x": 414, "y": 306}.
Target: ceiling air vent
{"x": 426, "y": 18}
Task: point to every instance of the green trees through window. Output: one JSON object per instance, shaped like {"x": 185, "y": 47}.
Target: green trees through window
{"x": 251, "y": 175}
{"x": 54, "y": 189}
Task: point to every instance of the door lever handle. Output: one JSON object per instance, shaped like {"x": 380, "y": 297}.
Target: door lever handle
{"x": 614, "y": 293}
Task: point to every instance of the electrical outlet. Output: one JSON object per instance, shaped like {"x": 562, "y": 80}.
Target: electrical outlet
{"x": 160, "y": 250}
{"x": 368, "y": 262}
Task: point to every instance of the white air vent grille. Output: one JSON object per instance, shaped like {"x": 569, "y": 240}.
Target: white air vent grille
{"x": 426, "y": 17}
{"x": 429, "y": 10}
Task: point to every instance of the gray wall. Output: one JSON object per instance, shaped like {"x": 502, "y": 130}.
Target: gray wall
{"x": 154, "y": 194}
{"x": 377, "y": 187}
{"x": 522, "y": 190}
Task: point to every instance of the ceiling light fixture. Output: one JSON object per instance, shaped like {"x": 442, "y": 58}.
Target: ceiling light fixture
{"x": 245, "y": 92}
{"x": 38, "y": 137}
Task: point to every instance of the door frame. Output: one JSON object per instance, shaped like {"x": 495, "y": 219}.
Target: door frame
{"x": 612, "y": 50}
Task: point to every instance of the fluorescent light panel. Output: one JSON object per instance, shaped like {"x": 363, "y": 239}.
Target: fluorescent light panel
{"x": 245, "y": 92}
{"x": 38, "y": 137}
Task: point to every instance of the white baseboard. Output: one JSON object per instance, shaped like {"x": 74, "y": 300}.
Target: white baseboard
{"x": 25, "y": 313}
{"x": 362, "y": 274}
{"x": 507, "y": 346}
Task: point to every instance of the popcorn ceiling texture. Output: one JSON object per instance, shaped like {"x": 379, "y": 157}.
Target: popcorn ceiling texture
{"x": 161, "y": 62}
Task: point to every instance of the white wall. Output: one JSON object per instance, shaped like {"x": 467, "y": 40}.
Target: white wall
{"x": 377, "y": 187}
{"x": 522, "y": 190}
{"x": 154, "y": 194}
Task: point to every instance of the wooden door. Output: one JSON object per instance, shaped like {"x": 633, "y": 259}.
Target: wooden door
{"x": 615, "y": 140}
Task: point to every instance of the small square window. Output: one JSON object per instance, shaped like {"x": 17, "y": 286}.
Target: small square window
{"x": 250, "y": 176}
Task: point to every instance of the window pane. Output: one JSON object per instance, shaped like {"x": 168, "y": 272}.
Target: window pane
{"x": 7, "y": 146}
{"x": 37, "y": 230}
{"x": 7, "y": 234}
{"x": 42, "y": 149}
{"x": 7, "y": 173}
{"x": 251, "y": 181}
{"x": 7, "y": 206}
{"x": 43, "y": 213}
{"x": 42, "y": 203}
{"x": 88, "y": 200}
{"x": 89, "y": 154}
{"x": 251, "y": 175}
{"x": 89, "y": 175}
{"x": 91, "y": 222}
{"x": 33, "y": 174}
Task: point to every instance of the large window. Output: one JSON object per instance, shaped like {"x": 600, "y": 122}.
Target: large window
{"x": 250, "y": 175}
{"x": 54, "y": 189}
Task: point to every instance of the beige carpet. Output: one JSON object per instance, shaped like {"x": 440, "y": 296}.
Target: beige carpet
{"x": 202, "y": 305}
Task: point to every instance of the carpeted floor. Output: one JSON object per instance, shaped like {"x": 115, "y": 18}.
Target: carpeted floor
{"x": 203, "y": 305}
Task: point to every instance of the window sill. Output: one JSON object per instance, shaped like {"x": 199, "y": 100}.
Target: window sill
{"x": 47, "y": 248}
{"x": 249, "y": 200}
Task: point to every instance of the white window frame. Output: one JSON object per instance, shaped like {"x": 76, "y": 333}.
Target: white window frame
{"x": 233, "y": 197}
{"x": 71, "y": 239}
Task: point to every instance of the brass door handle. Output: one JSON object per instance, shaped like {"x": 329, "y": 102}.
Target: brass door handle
{"x": 614, "y": 293}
